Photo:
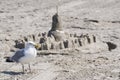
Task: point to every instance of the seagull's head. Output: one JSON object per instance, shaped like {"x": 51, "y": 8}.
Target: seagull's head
{"x": 32, "y": 44}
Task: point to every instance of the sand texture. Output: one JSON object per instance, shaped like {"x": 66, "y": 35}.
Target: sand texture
{"x": 19, "y": 18}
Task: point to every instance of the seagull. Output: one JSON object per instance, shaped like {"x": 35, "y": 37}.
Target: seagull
{"x": 25, "y": 55}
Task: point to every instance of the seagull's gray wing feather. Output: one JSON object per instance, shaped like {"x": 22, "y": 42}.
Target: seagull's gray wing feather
{"x": 18, "y": 55}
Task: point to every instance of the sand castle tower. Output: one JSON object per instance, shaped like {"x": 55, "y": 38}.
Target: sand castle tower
{"x": 57, "y": 30}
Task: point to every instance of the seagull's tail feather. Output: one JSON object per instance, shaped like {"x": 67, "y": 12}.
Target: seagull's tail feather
{"x": 8, "y": 59}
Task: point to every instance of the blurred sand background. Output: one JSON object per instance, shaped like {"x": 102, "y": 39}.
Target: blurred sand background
{"x": 23, "y": 17}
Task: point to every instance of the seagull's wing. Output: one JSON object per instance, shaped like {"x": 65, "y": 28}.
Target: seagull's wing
{"x": 18, "y": 55}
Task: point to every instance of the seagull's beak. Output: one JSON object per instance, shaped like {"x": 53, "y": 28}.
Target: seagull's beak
{"x": 37, "y": 46}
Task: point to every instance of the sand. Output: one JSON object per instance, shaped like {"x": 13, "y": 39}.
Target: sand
{"x": 23, "y": 17}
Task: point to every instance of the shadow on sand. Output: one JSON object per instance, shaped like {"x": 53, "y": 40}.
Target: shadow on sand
{"x": 12, "y": 73}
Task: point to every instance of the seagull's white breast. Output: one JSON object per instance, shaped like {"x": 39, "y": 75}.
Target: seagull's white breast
{"x": 29, "y": 55}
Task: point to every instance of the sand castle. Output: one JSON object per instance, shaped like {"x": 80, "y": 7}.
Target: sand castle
{"x": 57, "y": 39}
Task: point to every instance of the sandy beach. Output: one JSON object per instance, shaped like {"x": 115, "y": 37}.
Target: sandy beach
{"x": 19, "y": 18}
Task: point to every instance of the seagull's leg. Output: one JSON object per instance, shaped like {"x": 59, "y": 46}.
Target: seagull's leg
{"x": 23, "y": 68}
{"x": 29, "y": 67}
